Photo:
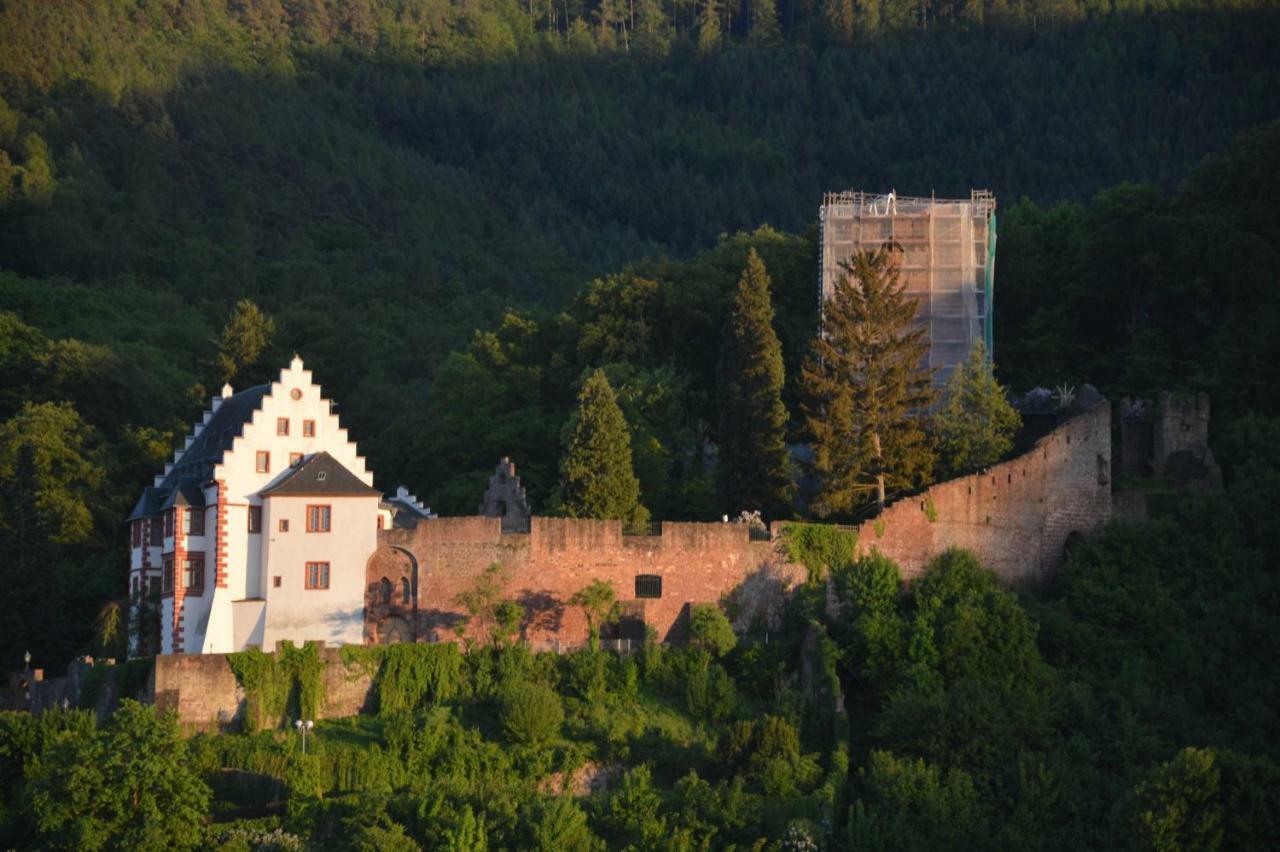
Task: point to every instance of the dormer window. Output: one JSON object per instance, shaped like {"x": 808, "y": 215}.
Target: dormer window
{"x": 322, "y": 475}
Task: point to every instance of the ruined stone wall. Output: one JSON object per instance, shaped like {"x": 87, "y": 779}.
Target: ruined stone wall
{"x": 1017, "y": 516}
{"x": 203, "y": 691}
{"x": 697, "y": 563}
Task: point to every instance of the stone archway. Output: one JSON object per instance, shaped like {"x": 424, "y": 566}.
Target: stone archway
{"x": 392, "y": 630}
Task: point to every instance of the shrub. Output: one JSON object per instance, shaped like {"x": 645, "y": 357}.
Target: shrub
{"x": 710, "y": 693}
{"x": 531, "y": 713}
{"x": 710, "y": 631}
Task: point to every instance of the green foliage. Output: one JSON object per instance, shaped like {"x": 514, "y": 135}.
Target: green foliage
{"x": 597, "y": 480}
{"x": 557, "y": 824}
{"x": 531, "y": 714}
{"x": 244, "y": 340}
{"x": 280, "y": 687}
{"x": 1176, "y": 807}
{"x": 710, "y": 692}
{"x": 975, "y": 425}
{"x": 599, "y": 603}
{"x": 930, "y": 510}
{"x": 862, "y": 387}
{"x": 408, "y": 676}
{"x": 906, "y": 804}
{"x": 485, "y": 608}
{"x": 710, "y": 631}
{"x": 126, "y": 786}
{"x": 754, "y": 464}
{"x": 821, "y": 548}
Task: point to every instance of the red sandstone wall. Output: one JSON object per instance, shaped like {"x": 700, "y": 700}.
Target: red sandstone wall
{"x": 698, "y": 563}
{"x": 1016, "y": 516}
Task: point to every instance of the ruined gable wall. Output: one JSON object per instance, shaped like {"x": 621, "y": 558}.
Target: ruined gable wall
{"x": 1016, "y": 516}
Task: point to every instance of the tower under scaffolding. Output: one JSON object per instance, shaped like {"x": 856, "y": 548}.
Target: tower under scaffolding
{"x": 946, "y": 252}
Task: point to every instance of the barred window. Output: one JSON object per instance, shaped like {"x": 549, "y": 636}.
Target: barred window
{"x": 648, "y": 586}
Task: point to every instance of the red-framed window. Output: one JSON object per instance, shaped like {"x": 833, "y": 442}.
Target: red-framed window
{"x": 282, "y": 425}
{"x": 193, "y": 573}
{"x": 195, "y": 521}
{"x": 263, "y": 462}
{"x": 283, "y": 525}
{"x": 317, "y": 575}
{"x": 167, "y": 574}
{"x": 308, "y": 428}
{"x": 318, "y": 518}
{"x": 255, "y": 519}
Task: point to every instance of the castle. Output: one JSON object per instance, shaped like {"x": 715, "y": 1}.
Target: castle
{"x": 266, "y": 527}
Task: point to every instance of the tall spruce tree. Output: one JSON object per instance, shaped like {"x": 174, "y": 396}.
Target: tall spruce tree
{"x": 976, "y": 424}
{"x": 863, "y": 389}
{"x": 754, "y": 469}
{"x": 764, "y": 22}
{"x": 596, "y": 476}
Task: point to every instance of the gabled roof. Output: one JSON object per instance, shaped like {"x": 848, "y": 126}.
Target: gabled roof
{"x": 206, "y": 451}
{"x": 319, "y": 474}
{"x": 187, "y": 491}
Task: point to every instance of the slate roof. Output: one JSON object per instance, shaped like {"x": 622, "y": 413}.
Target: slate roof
{"x": 320, "y": 474}
{"x": 195, "y": 468}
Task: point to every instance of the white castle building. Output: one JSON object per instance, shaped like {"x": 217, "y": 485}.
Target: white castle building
{"x": 261, "y": 527}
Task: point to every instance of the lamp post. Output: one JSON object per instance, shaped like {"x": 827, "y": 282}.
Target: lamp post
{"x": 303, "y": 727}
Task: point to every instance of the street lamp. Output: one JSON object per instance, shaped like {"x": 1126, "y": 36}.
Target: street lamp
{"x": 26, "y": 661}
{"x": 303, "y": 727}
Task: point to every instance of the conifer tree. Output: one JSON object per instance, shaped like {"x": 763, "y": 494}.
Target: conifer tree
{"x": 709, "y": 26}
{"x": 976, "y": 424}
{"x": 244, "y": 339}
{"x": 754, "y": 470}
{"x": 597, "y": 479}
{"x": 764, "y": 22}
{"x": 863, "y": 388}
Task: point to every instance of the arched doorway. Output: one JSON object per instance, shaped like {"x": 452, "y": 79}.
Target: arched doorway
{"x": 394, "y": 629}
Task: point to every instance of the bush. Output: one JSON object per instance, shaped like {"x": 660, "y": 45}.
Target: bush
{"x": 531, "y": 713}
{"x": 710, "y": 631}
{"x": 710, "y": 693}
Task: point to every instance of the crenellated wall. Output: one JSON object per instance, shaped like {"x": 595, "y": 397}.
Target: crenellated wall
{"x": 1017, "y": 516}
{"x": 697, "y": 563}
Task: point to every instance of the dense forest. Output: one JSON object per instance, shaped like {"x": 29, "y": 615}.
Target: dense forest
{"x": 459, "y": 213}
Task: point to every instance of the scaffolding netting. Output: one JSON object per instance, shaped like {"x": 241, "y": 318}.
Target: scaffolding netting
{"x": 945, "y": 249}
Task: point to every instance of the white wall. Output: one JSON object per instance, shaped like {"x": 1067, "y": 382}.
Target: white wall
{"x": 336, "y": 614}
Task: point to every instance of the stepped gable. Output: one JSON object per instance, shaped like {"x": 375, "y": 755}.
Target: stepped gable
{"x": 195, "y": 465}
{"x": 319, "y": 474}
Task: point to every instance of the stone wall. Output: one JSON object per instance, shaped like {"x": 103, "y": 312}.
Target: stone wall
{"x": 203, "y": 691}
{"x": 695, "y": 563}
{"x": 1018, "y": 517}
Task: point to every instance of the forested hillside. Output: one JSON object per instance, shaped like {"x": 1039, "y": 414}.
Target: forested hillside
{"x": 455, "y": 211}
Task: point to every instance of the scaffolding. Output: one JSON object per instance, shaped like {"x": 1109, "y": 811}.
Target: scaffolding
{"x": 946, "y": 258}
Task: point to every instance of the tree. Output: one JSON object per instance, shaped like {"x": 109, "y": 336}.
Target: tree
{"x": 531, "y": 713}
{"x": 484, "y": 605}
{"x": 864, "y": 390}
{"x": 839, "y": 16}
{"x": 244, "y": 339}
{"x": 597, "y": 479}
{"x": 976, "y": 424}
{"x": 754, "y": 467}
{"x": 764, "y": 22}
{"x": 128, "y": 786}
{"x": 1178, "y": 807}
{"x": 709, "y": 26}
{"x": 599, "y": 604}
{"x": 710, "y": 631}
